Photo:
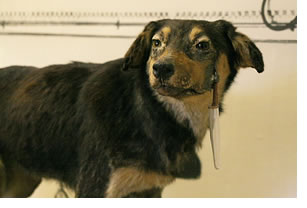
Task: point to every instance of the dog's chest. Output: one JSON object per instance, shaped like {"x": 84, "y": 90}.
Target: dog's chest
{"x": 191, "y": 111}
{"x": 198, "y": 119}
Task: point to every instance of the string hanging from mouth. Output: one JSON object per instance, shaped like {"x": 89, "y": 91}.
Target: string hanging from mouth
{"x": 215, "y": 98}
{"x": 214, "y": 125}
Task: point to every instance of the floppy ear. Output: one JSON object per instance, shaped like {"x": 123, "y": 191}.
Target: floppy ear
{"x": 139, "y": 51}
{"x": 246, "y": 52}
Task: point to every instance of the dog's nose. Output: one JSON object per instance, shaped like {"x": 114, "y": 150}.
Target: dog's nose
{"x": 163, "y": 70}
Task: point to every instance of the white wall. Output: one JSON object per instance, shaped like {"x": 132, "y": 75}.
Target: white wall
{"x": 258, "y": 127}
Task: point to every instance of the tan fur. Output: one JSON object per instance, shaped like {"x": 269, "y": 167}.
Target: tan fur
{"x": 188, "y": 73}
{"x": 152, "y": 79}
{"x": 166, "y": 32}
{"x": 195, "y": 31}
{"x": 129, "y": 179}
{"x": 163, "y": 34}
{"x": 195, "y": 108}
{"x": 223, "y": 71}
{"x": 203, "y": 38}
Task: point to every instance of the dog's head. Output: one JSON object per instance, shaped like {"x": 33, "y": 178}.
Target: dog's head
{"x": 181, "y": 56}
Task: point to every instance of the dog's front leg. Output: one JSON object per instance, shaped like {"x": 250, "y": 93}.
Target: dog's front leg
{"x": 151, "y": 193}
{"x": 130, "y": 181}
{"x": 15, "y": 181}
{"x": 93, "y": 178}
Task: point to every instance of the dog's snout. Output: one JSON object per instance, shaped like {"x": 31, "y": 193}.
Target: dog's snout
{"x": 163, "y": 70}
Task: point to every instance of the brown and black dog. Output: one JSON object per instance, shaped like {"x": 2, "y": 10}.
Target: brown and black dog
{"x": 126, "y": 128}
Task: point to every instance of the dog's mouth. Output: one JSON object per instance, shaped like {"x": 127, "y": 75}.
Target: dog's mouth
{"x": 169, "y": 90}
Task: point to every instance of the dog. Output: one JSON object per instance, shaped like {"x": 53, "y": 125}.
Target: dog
{"x": 125, "y": 128}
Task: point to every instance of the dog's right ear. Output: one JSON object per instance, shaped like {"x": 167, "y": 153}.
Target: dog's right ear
{"x": 246, "y": 52}
{"x": 139, "y": 51}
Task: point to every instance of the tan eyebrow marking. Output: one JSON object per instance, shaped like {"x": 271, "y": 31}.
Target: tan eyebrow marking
{"x": 163, "y": 33}
{"x": 195, "y": 31}
{"x": 203, "y": 38}
{"x": 166, "y": 31}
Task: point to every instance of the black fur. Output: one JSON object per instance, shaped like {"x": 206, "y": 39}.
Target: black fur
{"x": 80, "y": 121}
{"x": 72, "y": 119}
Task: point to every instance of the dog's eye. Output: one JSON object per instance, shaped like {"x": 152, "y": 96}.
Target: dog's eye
{"x": 156, "y": 43}
{"x": 203, "y": 45}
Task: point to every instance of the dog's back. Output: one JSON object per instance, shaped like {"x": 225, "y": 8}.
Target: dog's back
{"x": 14, "y": 182}
{"x": 32, "y": 100}
{"x": 10, "y": 76}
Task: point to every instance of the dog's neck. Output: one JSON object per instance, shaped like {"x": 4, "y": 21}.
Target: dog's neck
{"x": 194, "y": 109}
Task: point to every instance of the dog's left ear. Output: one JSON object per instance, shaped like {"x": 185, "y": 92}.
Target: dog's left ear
{"x": 246, "y": 52}
{"x": 139, "y": 51}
